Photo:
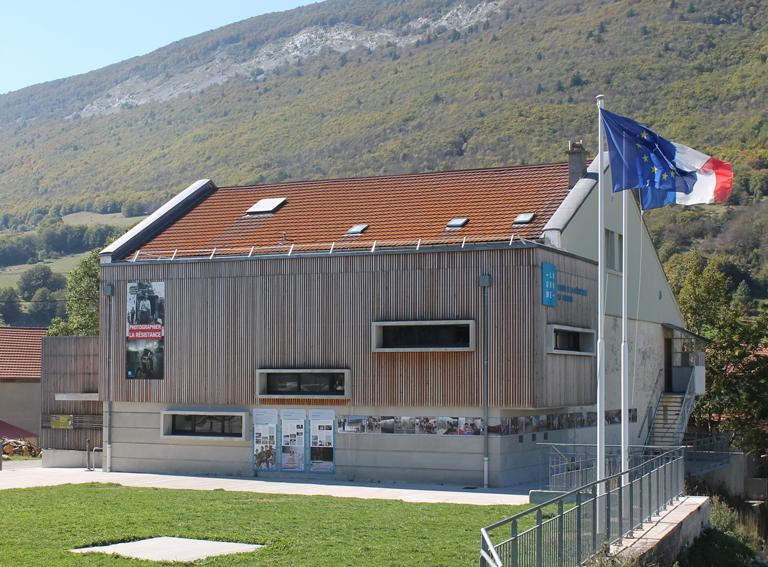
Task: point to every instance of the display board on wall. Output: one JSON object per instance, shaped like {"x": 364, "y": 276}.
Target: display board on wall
{"x": 321, "y": 446}
{"x": 293, "y": 440}
{"x": 265, "y": 439}
{"x": 145, "y": 330}
{"x": 548, "y": 284}
{"x": 62, "y": 421}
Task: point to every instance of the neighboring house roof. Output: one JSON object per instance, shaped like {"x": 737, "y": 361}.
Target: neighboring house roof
{"x": 398, "y": 209}
{"x": 12, "y": 432}
{"x": 20, "y": 352}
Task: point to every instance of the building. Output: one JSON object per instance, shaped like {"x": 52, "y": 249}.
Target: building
{"x": 20, "y": 377}
{"x": 351, "y": 328}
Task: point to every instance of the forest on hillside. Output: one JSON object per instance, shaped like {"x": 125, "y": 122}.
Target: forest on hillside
{"x": 511, "y": 88}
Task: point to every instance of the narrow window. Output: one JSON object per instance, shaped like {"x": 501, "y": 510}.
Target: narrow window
{"x": 570, "y": 340}
{"x": 567, "y": 340}
{"x": 423, "y": 336}
{"x": 305, "y": 383}
{"x": 207, "y": 425}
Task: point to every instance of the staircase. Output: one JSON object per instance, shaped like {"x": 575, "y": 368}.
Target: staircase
{"x": 665, "y": 429}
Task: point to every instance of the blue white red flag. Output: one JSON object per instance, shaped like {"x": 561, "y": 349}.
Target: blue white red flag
{"x": 663, "y": 172}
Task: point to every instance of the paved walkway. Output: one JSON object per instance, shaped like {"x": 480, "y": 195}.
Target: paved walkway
{"x": 17, "y": 475}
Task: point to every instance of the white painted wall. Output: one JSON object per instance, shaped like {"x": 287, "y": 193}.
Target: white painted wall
{"x": 646, "y": 275}
{"x": 20, "y": 405}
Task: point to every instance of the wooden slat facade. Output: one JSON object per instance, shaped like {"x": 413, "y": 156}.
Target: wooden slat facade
{"x": 70, "y": 365}
{"x": 227, "y": 318}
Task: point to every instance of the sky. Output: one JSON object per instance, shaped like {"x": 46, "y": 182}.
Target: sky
{"x": 48, "y": 39}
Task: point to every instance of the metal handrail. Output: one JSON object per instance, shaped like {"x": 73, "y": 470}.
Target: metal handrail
{"x": 686, "y": 408}
{"x": 659, "y": 393}
{"x": 592, "y": 502}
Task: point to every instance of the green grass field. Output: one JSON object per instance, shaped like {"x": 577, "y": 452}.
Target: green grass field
{"x": 38, "y": 526}
{"x": 11, "y": 274}
{"x": 112, "y": 219}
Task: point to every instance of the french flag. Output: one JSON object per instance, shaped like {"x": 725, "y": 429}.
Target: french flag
{"x": 664, "y": 172}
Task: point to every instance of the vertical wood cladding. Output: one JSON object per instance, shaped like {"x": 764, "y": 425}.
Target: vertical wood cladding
{"x": 226, "y": 319}
{"x": 564, "y": 379}
{"x": 70, "y": 365}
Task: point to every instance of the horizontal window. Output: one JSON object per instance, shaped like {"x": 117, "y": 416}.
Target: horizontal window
{"x": 317, "y": 382}
{"x": 570, "y": 340}
{"x": 305, "y": 384}
{"x": 405, "y": 336}
{"x": 207, "y": 425}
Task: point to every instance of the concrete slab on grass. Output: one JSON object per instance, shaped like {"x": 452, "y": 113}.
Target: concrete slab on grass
{"x": 171, "y": 549}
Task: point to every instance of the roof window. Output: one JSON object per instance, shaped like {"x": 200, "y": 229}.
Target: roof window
{"x": 264, "y": 206}
{"x": 457, "y": 222}
{"x": 524, "y": 218}
{"x": 357, "y": 229}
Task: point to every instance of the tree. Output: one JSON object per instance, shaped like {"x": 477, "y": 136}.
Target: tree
{"x": 82, "y": 309}
{"x": 10, "y": 311}
{"x": 704, "y": 298}
{"x": 42, "y": 307}
{"x": 737, "y": 380}
{"x": 678, "y": 266}
{"x": 742, "y": 296}
{"x": 36, "y": 278}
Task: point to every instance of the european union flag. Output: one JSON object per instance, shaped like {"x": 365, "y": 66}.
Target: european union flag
{"x": 641, "y": 159}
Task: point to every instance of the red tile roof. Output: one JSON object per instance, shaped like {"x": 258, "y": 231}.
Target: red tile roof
{"x": 12, "y": 432}
{"x": 20, "y": 352}
{"x": 397, "y": 208}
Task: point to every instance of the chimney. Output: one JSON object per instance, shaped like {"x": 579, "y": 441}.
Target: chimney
{"x": 577, "y": 162}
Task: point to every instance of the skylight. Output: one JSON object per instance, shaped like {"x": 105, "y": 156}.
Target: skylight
{"x": 524, "y": 218}
{"x": 357, "y": 229}
{"x": 457, "y": 222}
{"x": 266, "y": 206}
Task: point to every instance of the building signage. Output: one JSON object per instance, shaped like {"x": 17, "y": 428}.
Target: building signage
{"x": 548, "y": 284}
{"x": 145, "y": 330}
{"x": 321, "y": 446}
{"x": 292, "y": 446}
{"x": 265, "y": 439}
{"x": 62, "y": 421}
{"x": 567, "y": 293}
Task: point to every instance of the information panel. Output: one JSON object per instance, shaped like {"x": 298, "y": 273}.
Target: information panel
{"x": 145, "y": 330}
{"x": 265, "y": 439}
{"x": 293, "y": 440}
{"x": 548, "y": 284}
{"x": 321, "y": 446}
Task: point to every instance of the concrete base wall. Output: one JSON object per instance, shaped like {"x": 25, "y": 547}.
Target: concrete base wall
{"x": 677, "y": 529}
{"x": 63, "y": 458}
{"x": 730, "y": 477}
{"x": 20, "y": 405}
{"x": 138, "y": 446}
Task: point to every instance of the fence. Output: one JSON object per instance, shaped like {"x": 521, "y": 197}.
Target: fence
{"x": 572, "y": 465}
{"x": 568, "y": 530}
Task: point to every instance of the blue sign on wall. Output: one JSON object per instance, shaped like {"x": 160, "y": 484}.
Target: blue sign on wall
{"x": 548, "y": 284}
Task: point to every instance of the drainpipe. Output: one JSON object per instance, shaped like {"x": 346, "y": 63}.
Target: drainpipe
{"x": 485, "y": 283}
{"x": 106, "y": 466}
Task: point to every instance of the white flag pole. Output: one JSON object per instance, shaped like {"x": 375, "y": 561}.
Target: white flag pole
{"x": 600, "y": 469}
{"x": 624, "y": 338}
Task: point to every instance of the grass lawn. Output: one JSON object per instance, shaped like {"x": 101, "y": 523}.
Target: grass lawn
{"x": 39, "y": 525}
{"x": 112, "y": 219}
{"x": 11, "y": 274}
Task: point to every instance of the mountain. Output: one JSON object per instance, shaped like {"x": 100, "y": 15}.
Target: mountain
{"x": 357, "y": 87}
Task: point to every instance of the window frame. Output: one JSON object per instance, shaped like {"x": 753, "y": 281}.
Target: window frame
{"x": 262, "y": 387}
{"x": 586, "y": 337}
{"x": 166, "y": 425}
{"x": 377, "y": 335}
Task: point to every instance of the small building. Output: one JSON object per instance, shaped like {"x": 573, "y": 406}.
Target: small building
{"x": 20, "y": 377}
{"x": 399, "y": 327}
